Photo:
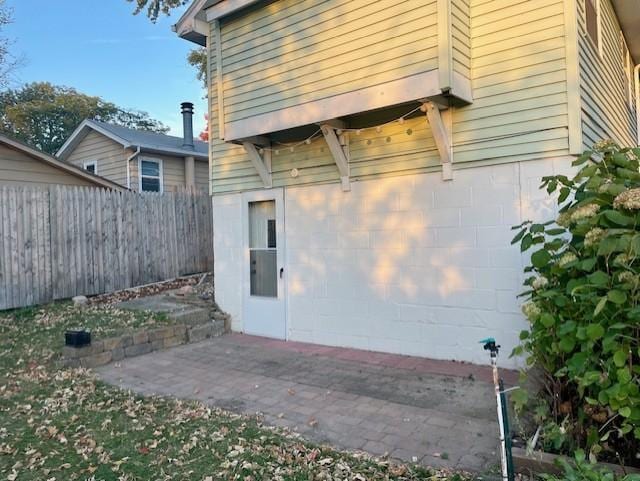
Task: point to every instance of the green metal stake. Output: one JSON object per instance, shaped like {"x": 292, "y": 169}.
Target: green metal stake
{"x": 506, "y": 459}
{"x": 506, "y": 431}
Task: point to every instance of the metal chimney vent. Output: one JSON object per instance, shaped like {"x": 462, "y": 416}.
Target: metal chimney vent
{"x": 187, "y": 124}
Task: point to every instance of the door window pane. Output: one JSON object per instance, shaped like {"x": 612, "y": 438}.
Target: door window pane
{"x": 262, "y": 249}
{"x": 264, "y": 273}
{"x": 271, "y": 233}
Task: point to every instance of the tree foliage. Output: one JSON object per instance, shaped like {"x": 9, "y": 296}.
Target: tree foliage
{"x": 584, "y": 306}
{"x": 198, "y": 58}
{"x": 154, "y": 8}
{"x": 44, "y": 115}
{"x": 7, "y": 62}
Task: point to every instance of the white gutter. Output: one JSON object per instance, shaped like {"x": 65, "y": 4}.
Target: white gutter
{"x": 129, "y": 159}
{"x": 636, "y": 76}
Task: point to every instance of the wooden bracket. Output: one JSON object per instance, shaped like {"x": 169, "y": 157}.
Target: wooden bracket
{"x": 261, "y": 162}
{"x": 258, "y": 140}
{"x": 335, "y": 123}
{"x": 339, "y": 147}
{"x": 441, "y": 135}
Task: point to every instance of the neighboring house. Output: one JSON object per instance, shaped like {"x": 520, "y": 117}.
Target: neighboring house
{"x": 140, "y": 160}
{"x": 21, "y": 165}
{"x": 368, "y": 157}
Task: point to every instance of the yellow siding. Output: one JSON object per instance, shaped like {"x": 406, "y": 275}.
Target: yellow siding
{"x": 295, "y": 51}
{"x": 461, "y": 36}
{"x": 230, "y": 169}
{"x": 202, "y": 176}
{"x": 606, "y": 111}
{"x": 519, "y": 83}
{"x": 109, "y": 155}
{"x": 280, "y": 55}
{"x": 17, "y": 168}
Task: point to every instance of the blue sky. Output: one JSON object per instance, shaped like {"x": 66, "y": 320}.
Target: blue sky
{"x": 100, "y": 48}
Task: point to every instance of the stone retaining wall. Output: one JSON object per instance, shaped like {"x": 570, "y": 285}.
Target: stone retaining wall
{"x": 112, "y": 349}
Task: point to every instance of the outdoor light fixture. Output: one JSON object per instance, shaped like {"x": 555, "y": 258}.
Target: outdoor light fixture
{"x": 77, "y": 338}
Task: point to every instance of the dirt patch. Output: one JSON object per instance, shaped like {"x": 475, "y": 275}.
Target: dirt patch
{"x": 202, "y": 285}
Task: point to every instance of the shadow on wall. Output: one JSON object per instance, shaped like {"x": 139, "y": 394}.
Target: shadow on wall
{"x": 412, "y": 264}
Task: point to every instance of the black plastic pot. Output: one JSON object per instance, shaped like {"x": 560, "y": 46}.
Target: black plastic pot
{"x": 77, "y": 338}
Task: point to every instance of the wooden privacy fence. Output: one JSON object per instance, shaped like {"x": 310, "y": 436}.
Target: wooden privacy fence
{"x": 59, "y": 242}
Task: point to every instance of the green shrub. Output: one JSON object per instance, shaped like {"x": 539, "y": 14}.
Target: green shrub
{"x": 583, "y": 470}
{"x": 584, "y": 306}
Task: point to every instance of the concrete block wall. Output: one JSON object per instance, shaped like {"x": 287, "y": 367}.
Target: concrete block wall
{"x": 228, "y": 252}
{"x": 412, "y": 264}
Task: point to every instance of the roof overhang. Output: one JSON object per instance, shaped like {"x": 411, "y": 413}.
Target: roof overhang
{"x": 628, "y": 13}
{"x": 59, "y": 164}
{"x": 80, "y": 133}
{"x": 172, "y": 152}
{"x": 193, "y": 26}
{"x": 87, "y": 126}
{"x": 222, "y": 8}
{"x": 194, "y": 23}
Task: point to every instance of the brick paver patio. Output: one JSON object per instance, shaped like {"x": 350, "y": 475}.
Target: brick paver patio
{"x": 438, "y": 413}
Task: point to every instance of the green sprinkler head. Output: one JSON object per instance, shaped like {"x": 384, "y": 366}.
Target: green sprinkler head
{"x": 490, "y": 345}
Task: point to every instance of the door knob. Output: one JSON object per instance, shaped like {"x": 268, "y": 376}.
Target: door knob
{"x": 281, "y": 272}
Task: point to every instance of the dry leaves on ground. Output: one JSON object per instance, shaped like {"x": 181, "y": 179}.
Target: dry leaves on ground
{"x": 64, "y": 424}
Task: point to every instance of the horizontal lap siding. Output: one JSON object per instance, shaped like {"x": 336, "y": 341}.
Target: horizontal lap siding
{"x": 173, "y": 173}
{"x": 109, "y": 155}
{"x": 461, "y": 37}
{"x": 606, "y": 113}
{"x": 292, "y": 51}
{"x": 17, "y": 168}
{"x": 230, "y": 169}
{"x": 202, "y": 176}
{"x": 516, "y": 59}
{"x": 397, "y": 149}
{"x": 519, "y": 83}
{"x": 339, "y": 33}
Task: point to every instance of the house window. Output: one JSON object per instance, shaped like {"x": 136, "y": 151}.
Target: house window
{"x": 592, "y": 19}
{"x": 150, "y": 175}
{"x": 91, "y": 166}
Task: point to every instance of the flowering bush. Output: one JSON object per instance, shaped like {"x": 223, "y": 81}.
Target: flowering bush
{"x": 583, "y": 306}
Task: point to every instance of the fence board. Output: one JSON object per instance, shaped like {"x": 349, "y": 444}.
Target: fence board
{"x": 58, "y": 242}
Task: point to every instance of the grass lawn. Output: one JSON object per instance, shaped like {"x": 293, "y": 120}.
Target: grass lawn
{"x": 63, "y": 424}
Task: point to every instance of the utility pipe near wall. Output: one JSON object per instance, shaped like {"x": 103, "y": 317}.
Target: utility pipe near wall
{"x": 190, "y": 173}
{"x": 129, "y": 159}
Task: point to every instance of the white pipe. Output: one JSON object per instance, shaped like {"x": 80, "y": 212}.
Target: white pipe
{"x": 129, "y": 159}
{"x": 503, "y": 441}
{"x": 636, "y": 76}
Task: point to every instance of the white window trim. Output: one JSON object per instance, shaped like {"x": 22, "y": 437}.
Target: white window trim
{"x": 598, "y": 46}
{"x": 627, "y": 69}
{"x": 91, "y": 162}
{"x": 161, "y": 168}
{"x": 599, "y": 18}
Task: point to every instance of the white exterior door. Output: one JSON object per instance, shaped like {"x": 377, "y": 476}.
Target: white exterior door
{"x": 263, "y": 270}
